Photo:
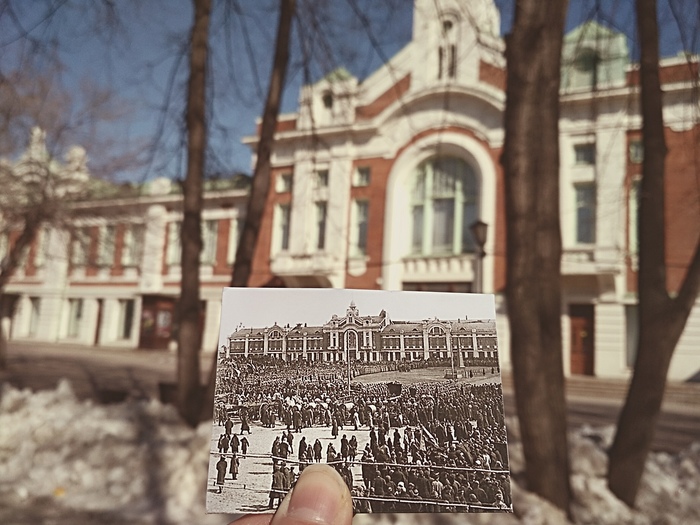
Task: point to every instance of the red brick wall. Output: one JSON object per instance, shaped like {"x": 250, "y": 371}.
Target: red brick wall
{"x": 682, "y": 204}
{"x": 223, "y": 230}
{"x": 492, "y": 75}
{"x": 282, "y": 125}
{"x": 375, "y": 194}
{"x": 378, "y": 105}
{"x": 261, "y": 273}
{"x": 686, "y": 72}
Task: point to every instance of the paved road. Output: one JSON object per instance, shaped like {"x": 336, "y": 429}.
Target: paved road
{"x": 108, "y": 374}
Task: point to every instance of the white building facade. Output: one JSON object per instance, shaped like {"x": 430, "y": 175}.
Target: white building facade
{"x": 376, "y": 183}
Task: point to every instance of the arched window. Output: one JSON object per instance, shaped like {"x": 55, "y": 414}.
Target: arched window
{"x": 444, "y": 204}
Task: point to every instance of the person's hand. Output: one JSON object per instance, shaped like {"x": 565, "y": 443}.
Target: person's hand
{"x": 320, "y": 497}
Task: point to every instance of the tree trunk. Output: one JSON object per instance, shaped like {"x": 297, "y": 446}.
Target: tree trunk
{"x": 32, "y": 222}
{"x": 531, "y": 168}
{"x": 243, "y": 265}
{"x": 189, "y": 397}
{"x": 661, "y": 318}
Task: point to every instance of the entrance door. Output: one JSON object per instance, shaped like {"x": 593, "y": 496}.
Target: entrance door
{"x": 582, "y": 330}
{"x": 157, "y": 318}
{"x": 8, "y": 306}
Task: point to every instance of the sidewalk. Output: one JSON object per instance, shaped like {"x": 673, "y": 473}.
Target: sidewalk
{"x": 677, "y": 394}
{"x": 161, "y": 365}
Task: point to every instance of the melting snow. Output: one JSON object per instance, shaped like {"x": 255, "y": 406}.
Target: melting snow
{"x": 66, "y": 461}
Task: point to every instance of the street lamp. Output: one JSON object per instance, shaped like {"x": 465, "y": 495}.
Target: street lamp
{"x": 478, "y": 230}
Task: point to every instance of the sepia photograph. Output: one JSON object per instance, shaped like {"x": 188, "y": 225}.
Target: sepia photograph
{"x": 400, "y": 392}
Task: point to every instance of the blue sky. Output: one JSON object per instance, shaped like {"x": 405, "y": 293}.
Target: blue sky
{"x": 139, "y": 59}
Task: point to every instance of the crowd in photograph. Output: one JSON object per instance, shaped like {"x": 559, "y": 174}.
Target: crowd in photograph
{"x": 428, "y": 447}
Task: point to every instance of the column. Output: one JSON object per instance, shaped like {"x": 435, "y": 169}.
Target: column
{"x": 426, "y": 346}
{"x": 402, "y": 345}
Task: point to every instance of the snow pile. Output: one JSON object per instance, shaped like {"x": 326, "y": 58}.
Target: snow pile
{"x": 65, "y": 461}
{"x": 130, "y": 462}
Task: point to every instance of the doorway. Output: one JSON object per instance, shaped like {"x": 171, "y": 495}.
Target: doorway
{"x": 581, "y": 317}
{"x": 157, "y": 318}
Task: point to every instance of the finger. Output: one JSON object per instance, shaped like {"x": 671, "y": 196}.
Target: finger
{"x": 320, "y": 497}
{"x": 253, "y": 519}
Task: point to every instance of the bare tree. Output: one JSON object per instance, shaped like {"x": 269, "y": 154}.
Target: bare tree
{"x": 37, "y": 190}
{"x": 531, "y": 167}
{"x": 261, "y": 176}
{"x": 257, "y": 198}
{"x": 661, "y": 317}
{"x": 189, "y": 333}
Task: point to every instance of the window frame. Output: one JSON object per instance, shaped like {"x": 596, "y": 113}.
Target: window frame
{"x": 592, "y": 207}
{"x": 285, "y": 182}
{"x": 585, "y": 154}
{"x": 457, "y": 183}
{"x": 362, "y": 177}
{"x": 360, "y": 220}
{"x": 284, "y": 211}
{"x": 321, "y": 224}
{"x": 321, "y": 178}
{"x": 210, "y": 238}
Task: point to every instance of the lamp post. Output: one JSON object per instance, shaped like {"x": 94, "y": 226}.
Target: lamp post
{"x": 479, "y": 230}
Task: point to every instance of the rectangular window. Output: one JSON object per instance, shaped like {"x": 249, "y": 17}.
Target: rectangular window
{"x": 284, "y": 183}
{"x": 632, "y": 333}
{"x": 132, "y": 250}
{"x": 126, "y": 318}
{"x": 321, "y": 219}
{"x": 636, "y": 152}
{"x": 584, "y": 154}
{"x": 321, "y": 179}
{"x": 633, "y": 206}
{"x": 75, "y": 316}
{"x": 173, "y": 254}
{"x": 41, "y": 243}
{"x": 360, "y": 233}
{"x": 362, "y": 176}
{"x": 284, "y": 225}
{"x": 585, "y": 213}
{"x": 106, "y": 249}
{"x": 210, "y": 230}
{"x": 80, "y": 246}
{"x": 234, "y": 236}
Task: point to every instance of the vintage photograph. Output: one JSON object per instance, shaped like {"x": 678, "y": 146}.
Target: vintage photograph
{"x": 400, "y": 392}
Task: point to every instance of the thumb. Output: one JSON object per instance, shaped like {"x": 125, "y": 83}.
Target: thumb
{"x": 319, "y": 497}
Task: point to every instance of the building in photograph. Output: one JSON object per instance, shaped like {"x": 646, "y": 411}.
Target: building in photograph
{"x": 371, "y": 338}
{"x": 112, "y": 276}
{"x": 377, "y": 182}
